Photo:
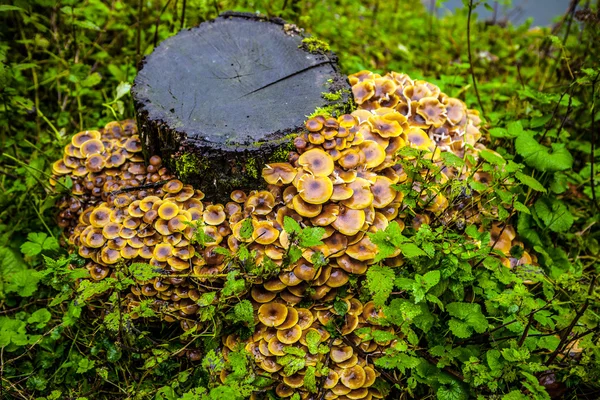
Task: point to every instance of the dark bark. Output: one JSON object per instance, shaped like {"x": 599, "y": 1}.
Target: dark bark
{"x": 220, "y": 100}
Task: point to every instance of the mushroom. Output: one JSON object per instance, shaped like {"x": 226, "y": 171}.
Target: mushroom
{"x": 316, "y": 162}
{"x": 272, "y": 314}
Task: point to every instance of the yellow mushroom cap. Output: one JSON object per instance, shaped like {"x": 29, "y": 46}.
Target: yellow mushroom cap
{"x": 162, "y": 252}
{"x": 304, "y": 208}
{"x": 317, "y": 162}
{"x": 264, "y": 232}
{"x": 340, "y": 354}
{"x": 291, "y": 319}
{"x": 383, "y": 193}
{"x": 314, "y": 124}
{"x": 363, "y": 250}
{"x": 100, "y": 217}
{"x": 260, "y": 203}
{"x": 374, "y": 153}
{"x": 290, "y": 335}
{"x": 80, "y": 138}
{"x": 92, "y": 146}
{"x": 354, "y": 377}
{"x": 417, "y": 138}
{"x": 279, "y": 173}
{"x": 294, "y": 381}
{"x": 362, "y": 197}
{"x": 349, "y": 222}
{"x": 167, "y": 210}
{"x": 282, "y": 390}
{"x": 363, "y": 91}
{"x": 173, "y": 186}
{"x": 315, "y": 189}
{"x": 432, "y": 111}
{"x": 305, "y": 318}
{"x": 261, "y": 295}
{"x": 214, "y": 214}
{"x": 272, "y": 314}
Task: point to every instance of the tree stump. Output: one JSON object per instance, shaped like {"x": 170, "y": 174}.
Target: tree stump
{"x": 220, "y": 100}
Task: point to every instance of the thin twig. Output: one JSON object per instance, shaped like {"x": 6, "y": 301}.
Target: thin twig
{"x": 471, "y": 59}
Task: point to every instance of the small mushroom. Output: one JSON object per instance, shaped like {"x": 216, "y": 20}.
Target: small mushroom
{"x": 272, "y": 314}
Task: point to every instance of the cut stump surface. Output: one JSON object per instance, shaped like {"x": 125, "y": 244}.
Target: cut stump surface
{"x": 220, "y": 100}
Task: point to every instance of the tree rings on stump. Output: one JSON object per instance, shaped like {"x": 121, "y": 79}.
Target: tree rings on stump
{"x": 220, "y": 100}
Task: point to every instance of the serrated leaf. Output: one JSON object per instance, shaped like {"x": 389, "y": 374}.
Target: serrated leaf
{"x": 290, "y": 225}
{"x": 492, "y": 157}
{"x": 246, "y": 229}
{"x": 411, "y": 250}
{"x": 380, "y": 282}
{"x": 40, "y": 318}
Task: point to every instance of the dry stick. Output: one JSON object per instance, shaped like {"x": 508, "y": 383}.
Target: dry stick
{"x": 567, "y": 331}
{"x": 471, "y": 59}
{"x": 562, "y": 123}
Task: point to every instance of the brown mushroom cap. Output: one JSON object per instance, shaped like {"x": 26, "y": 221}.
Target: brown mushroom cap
{"x": 305, "y": 318}
{"x": 317, "y": 162}
{"x": 282, "y": 390}
{"x": 264, "y": 232}
{"x": 357, "y": 394}
{"x": 374, "y": 153}
{"x": 279, "y": 173}
{"x": 260, "y": 203}
{"x": 294, "y": 381}
{"x": 272, "y": 314}
{"x": 338, "y": 278}
{"x": 361, "y": 194}
{"x": 214, "y": 214}
{"x": 363, "y": 250}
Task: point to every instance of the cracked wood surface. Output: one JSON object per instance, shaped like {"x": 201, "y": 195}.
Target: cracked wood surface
{"x": 228, "y": 92}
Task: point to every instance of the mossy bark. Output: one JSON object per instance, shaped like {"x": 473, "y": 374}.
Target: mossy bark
{"x": 219, "y": 101}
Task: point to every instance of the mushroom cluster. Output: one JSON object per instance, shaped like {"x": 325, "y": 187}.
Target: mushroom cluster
{"x": 341, "y": 177}
{"x": 340, "y": 366}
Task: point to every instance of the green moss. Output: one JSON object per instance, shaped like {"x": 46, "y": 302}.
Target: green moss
{"x": 314, "y": 45}
{"x": 188, "y": 164}
{"x": 332, "y": 96}
{"x": 251, "y": 168}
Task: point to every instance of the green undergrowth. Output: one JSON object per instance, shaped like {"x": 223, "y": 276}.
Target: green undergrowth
{"x": 466, "y": 326}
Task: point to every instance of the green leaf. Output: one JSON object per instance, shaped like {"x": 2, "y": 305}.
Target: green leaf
{"x": 243, "y": 312}
{"x": 311, "y": 237}
{"x": 91, "y": 80}
{"x": 84, "y": 365}
{"x": 541, "y": 157}
{"x": 380, "y": 282}
{"x": 38, "y": 242}
{"x": 530, "y": 181}
{"x": 39, "y": 317}
{"x": 291, "y": 226}
{"x": 549, "y": 342}
{"x": 492, "y": 157}
{"x": 452, "y": 160}
{"x": 554, "y": 213}
{"x": 468, "y": 318}
{"x": 6, "y": 7}
{"x": 411, "y": 250}
{"x": 122, "y": 89}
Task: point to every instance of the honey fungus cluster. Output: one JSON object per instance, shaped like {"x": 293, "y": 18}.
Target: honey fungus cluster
{"x": 341, "y": 177}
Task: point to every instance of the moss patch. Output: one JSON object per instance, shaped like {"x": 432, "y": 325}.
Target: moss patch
{"x": 314, "y": 45}
{"x": 188, "y": 165}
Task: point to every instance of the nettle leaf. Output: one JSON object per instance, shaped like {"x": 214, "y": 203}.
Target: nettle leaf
{"x": 387, "y": 241}
{"x": 411, "y": 250}
{"x": 530, "y": 181}
{"x": 290, "y": 225}
{"x": 452, "y": 160}
{"x": 310, "y": 380}
{"x": 541, "y": 157}
{"x": 554, "y": 213}
{"x": 548, "y": 342}
{"x": 423, "y": 283}
{"x": 468, "y": 318}
{"x": 243, "y": 312}
{"x": 380, "y": 282}
{"x": 311, "y": 237}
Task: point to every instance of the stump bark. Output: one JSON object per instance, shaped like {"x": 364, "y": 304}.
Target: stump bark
{"x": 220, "y": 100}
